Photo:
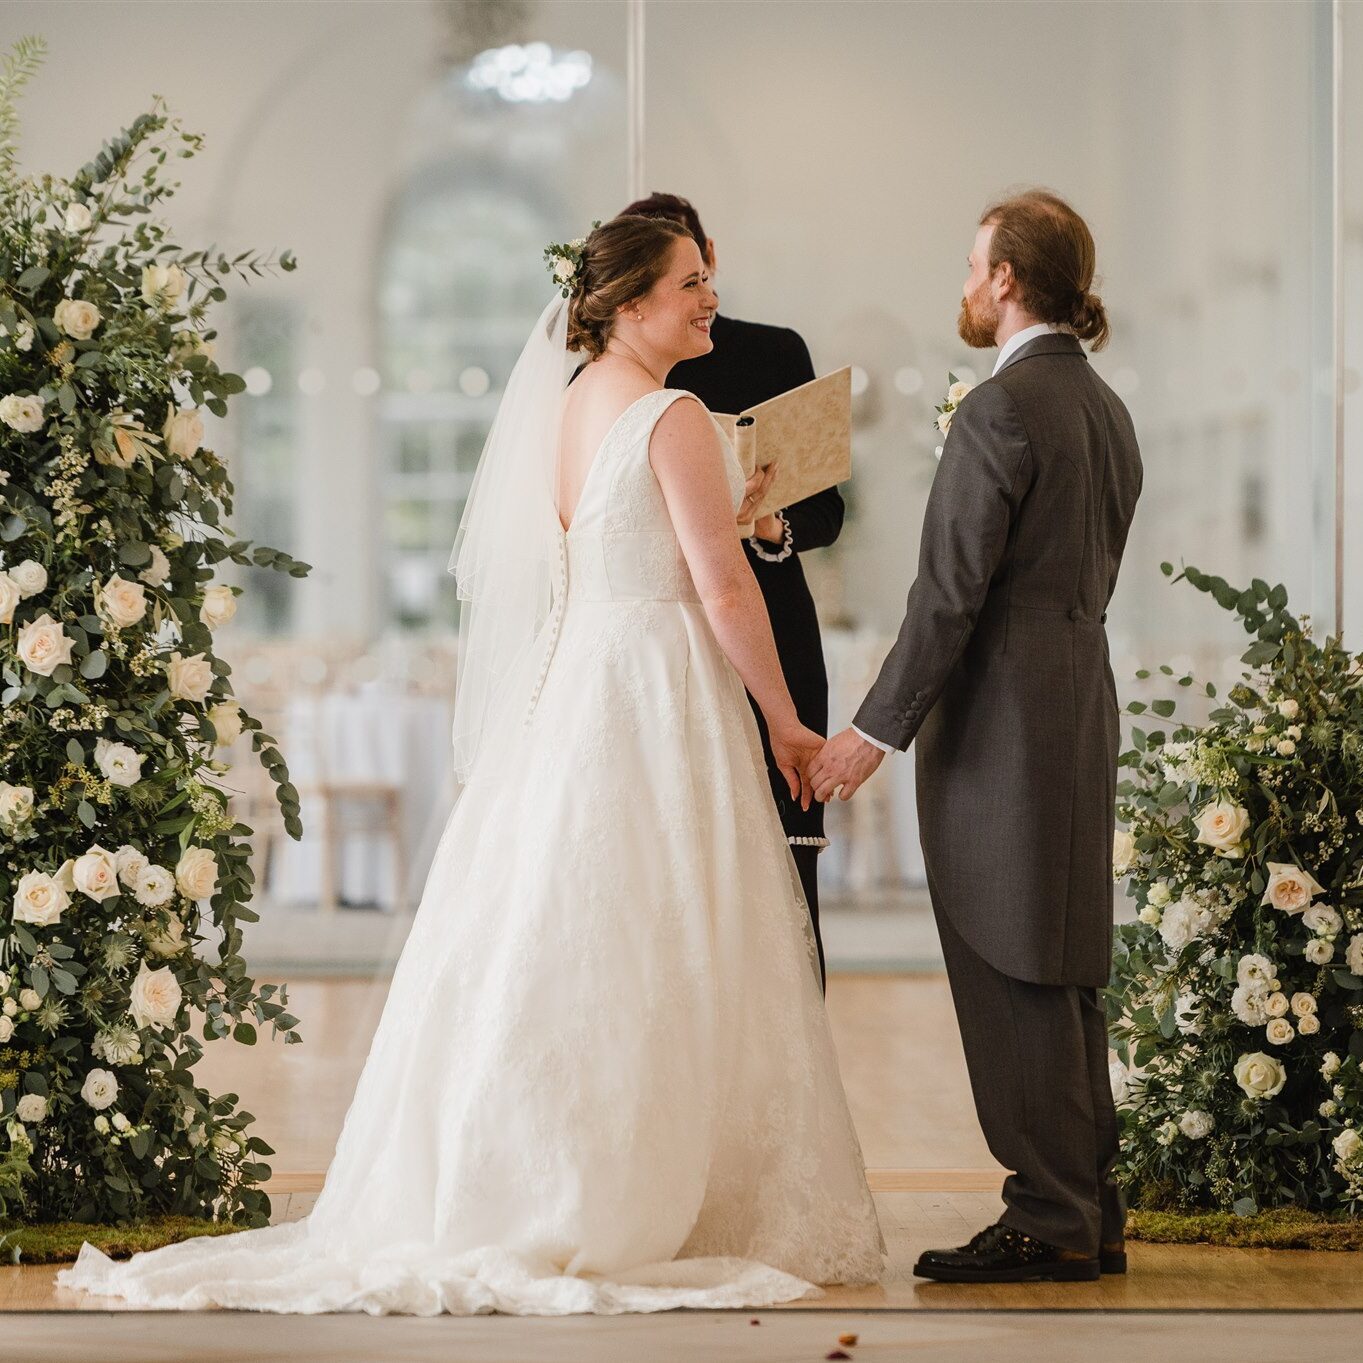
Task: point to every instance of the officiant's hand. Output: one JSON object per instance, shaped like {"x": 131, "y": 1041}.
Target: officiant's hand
{"x": 795, "y": 748}
{"x": 753, "y": 492}
{"x": 846, "y": 760}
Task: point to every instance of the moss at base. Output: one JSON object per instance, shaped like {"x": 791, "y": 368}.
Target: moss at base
{"x": 58, "y": 1242}
{"x": 1280, "y": 1228}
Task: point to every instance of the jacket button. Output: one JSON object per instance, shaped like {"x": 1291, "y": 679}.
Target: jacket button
{"x": 1076, "y": 614}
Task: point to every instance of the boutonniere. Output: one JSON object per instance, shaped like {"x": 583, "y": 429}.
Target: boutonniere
{"x": 955, "y": 396}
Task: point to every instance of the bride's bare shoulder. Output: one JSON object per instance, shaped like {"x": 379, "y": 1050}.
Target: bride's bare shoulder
{"x": 684, "y": 432}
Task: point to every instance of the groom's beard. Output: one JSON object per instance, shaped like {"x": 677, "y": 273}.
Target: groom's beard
{"x": 979, "y": 319}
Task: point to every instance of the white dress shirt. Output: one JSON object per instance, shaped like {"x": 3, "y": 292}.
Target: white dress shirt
{"x": 1010, "y": 347}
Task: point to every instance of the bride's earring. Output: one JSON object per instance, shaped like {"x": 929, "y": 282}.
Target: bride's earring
{"x": 638, "y": 316}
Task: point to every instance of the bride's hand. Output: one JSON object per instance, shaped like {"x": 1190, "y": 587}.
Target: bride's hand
{"x": 754, "y": 490}
{"x": 795, "y": 748}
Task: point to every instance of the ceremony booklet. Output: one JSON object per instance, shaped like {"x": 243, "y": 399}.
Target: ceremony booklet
{"x": 806, "y": 430}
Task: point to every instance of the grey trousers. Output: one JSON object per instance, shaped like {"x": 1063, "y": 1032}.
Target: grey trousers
{"x": 1038, "y": 1061}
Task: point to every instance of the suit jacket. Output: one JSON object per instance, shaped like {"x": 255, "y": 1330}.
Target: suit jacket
{"x": 1001, "y": 666}
{"x": 749, "y": 364}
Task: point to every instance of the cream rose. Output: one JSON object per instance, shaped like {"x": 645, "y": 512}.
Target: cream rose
{"x": 16, "y": 805}
{"x": 1289, "y": 709}
{"x": 158, "y": 570}
{"x": 168, "y": 940}
{"x": 29, "y": 1000}
{"x": 1353, "y": 954}
{"x": 1277, "y": 1005}
{"x": 6, "y": 1027}
{"x": 1123, "y": 851}
{"x": 32, "y": 1107}
{"x": 1260, "y": 1075}
{"x": 78, "y": 217}
{"x": 1289, "y": 887}
{"x": 130, "y": 864}
{"x": 189, "y": 678}
{"x": 119, "y": 764}
{"x": 1279, "y": 1031}
{"x": 77, "y": 318}
{"x": 225, "y": 718}
{"x": 162, "y": 285}
{"x": 22, "y": 414}
{"x": 43, "y": 646}
{"x": 1159, "y": 894}
{"x": 219, "y": 605}
{"x": 1348, "y": 1145}
{"x": 10, "y": 596}
{"x": 957, "y": 393}
{"x": 196, "y": 873}
{"x": 1309, "y": 1025}
{"x": 155, "y": 997}
{"x": 121, "y": 603}
{"x": 100, "y": 1089}
{"x": 29, "y": 576}
{"x": 39, "y": 899}
{"x": 96, "y": 875}
{"x": 153, "y": 887}
{"x": 1222, "y": 827}
{"x": 1303, "y": 1004}
{"x": 184, "y": 432}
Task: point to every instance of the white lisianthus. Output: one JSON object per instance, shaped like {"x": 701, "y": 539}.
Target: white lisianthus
{"x": 1123, "y": 852}
{"x": 32, "y": 1107}
{"x": 22, "y": 413}
{"x": 1348, "y": 1145}
{"x": 158, "y": 570}
{"x": 1279, "y": 1031}
{"x": 184, "y": 432}
{"x": 119, "y": 764}
{"x": 16, "y": 806}
{"x": 1183, "y": 922}
{"x": 1322, "y": 920}
{"x": 1329, "y": 1065}
{"x": 1159, "y": 894}
{"x": 225, "y": 718}
{"x": 6, "y": 1025}
{"x": 1196, "y": 1125}
{"x": 189, "y": 678}
{"x": 39, "y": 899}
{"x": 78, "y": 218}
{"x": 1289, "y": 887}
{"x": 121, "y": 603}
{"x": 155, "y": 997}
{"x": 168, "y": 940}
{"x": 130, "y": 864}
{"x": 10, "y": 596}
{"x": 153, "y": 887}
{"x": 77, "y": 318}
{"x": 196, "y": 873}
{"x": 1308, "y": 1025}
{"x": 121, "y": 1122}
{"x": 29, "y": 1000}
{"x": 1320, "y": 951}
{"x": 99, "y": 1089}
{"x": 1303, "y": 1004}
{"x": 43, "y": 646}
{"x": 1289, "y": 709}
{"x": 162, "y": 285}
{"x": 1353, "y": 954}
{"x": 101, "y": 1124}
{"x": 219, "y": 605}
{"x": 1260, "y": 1075}
{"x": 1247, "y": 1003}
{"x": 1277, "y": 1005}
{"x": 96, "y": 875}
{"x": 1222, "y": 827}
{"x": 29, "y": 576}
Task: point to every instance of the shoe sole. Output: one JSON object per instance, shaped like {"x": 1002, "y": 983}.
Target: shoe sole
{"x": 1079, "y": 1271}
{"x": 1113, "y": 1263}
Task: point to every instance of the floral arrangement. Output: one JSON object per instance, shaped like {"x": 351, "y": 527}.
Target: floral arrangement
{"x": 956, "y": 394}
{"x": 564, "y": 261}
{"x": 117, "y": 850}
{"x": 1237, "y": 996}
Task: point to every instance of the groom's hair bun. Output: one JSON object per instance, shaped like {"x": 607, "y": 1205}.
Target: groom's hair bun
{"x": 621, "y": 261}
{"x": 1051, "y": 251}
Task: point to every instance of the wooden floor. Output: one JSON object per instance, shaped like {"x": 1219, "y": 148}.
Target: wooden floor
{"x": 934, "y": 1181}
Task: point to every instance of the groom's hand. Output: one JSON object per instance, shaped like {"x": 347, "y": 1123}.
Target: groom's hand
{"x": 846, "y": 761}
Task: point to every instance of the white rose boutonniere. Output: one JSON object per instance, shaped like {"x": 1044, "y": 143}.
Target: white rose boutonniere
{"x": 956, "y": 394}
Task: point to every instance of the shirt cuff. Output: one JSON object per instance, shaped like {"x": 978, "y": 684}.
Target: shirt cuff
{"x": 875, "y": 742}
{"x": 787, "y": 543}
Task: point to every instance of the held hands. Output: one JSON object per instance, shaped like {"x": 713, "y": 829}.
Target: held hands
{"x": 845, "y": 761}
{"x": 795, "y": 749}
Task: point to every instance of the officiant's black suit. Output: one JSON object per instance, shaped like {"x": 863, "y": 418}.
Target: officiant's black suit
{"x": 1001, "y": 673}
{"x": 749, "y": 364}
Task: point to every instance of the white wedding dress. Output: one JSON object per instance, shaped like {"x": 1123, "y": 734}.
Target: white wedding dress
{"x": 603, "y": 1079}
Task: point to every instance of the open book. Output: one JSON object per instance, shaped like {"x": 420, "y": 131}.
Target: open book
{"x": 807, "y": 430}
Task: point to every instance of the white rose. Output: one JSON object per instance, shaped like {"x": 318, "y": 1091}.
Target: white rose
{"x": 563, "y": 269}
{"x": 10, "y": 1007}
{"x": 154, "y": 886}
{"x": 32, "y": 1107}
{"x": 956, "y": 393}
{"x": 1289, "y": 709}
{"x": 1123, "y": 851}
{"x": 1320, "y": 951}
{"x": 1196, "y": 1125}
{"x": 196, "y": 873}
{"x": 1183, "y": 922}
{"x": 29, "y": 1000}
{"x": 1353, "y": 954}
{"x": 77, "y": 318}
{"x": 99, "y": 1089}
{"x": 121, "y": 603}
{"x": 78, "y": 217}
{"x": 10, "y": 596}
{"x": 225, "y": 718}
{"x": 1222, "y": 826}
{"x": 1329, "y": 1064}
{"x": 1322, "y": 920}
{"x": 158, "y": 570}
{"x": 130, "y": 864}
{"x": 1328, "y": 1108}
{"x": 1159, "y": 894}
{"x": 1303, "y": 1003}
{"x": 184, "y": 432}
{"x": 1309, "y": 1025}
{"x": 6, "y": 1025}
{"x": 169, "y": 940}
{"x": 155, "y": 997}
{"x": 101, "y": 1124}
{"x": 16, "y": 805}
{"x": 944, "y": 422}
{"x": 162, "y": 285}
{"x": 119, "y": 764}
{"x": 22, "y": 414}
{"x": 1286, "y": 748}
{"x": 43, "y": 646}
{"x": 1347, "y": 1145}
{"x": 189, "y": 678}
{"x": 1294, "y": 732}
{"x": 1279, "y": 1031}
{"x": 1260, "y": 1075}
{"x": 29, "y": 576}
{"x": 1119, "y": 1077}
{"x": 1276, "y": 1005}
{"x": 1247, "y": 1003}
{"x": 1149, "y": 915}
{"x": 39, "y": 899}
{"x": 219, "y": 605}
{"x": 1289, "y": 887}
{"x": 96, "y": 874}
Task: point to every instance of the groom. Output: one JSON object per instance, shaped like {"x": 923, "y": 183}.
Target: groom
{"x": 1001, "y": 672}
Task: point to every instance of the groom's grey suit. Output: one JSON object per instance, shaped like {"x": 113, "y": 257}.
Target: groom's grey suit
{"x": 1001, "y": 672}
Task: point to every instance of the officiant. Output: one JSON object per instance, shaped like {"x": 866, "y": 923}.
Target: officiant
{"x": 750, "y": 363}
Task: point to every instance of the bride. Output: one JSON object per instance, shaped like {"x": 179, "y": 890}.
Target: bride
{"x": 603, "y": 1079}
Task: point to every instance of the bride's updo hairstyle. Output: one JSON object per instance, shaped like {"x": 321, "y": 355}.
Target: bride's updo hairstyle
{"x": 1051, "y": 251}
{"x": 621, "y": 261}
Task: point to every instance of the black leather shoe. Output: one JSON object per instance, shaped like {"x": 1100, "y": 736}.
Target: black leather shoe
{"x": 1112, "y": 1258}
{"x": 1000, "y": 1254}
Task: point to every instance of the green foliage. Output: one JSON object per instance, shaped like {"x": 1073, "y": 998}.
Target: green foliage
{"x": 1244, "y": 848}
{"x": 1282, "y": 1228}
{"x": 117, "y": 850}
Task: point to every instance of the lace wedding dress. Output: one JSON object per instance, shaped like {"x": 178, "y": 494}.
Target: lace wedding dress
{"x": 603, "y": 1079}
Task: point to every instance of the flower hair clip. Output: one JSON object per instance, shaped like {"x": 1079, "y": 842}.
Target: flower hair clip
{"x": 564, "y": 260}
